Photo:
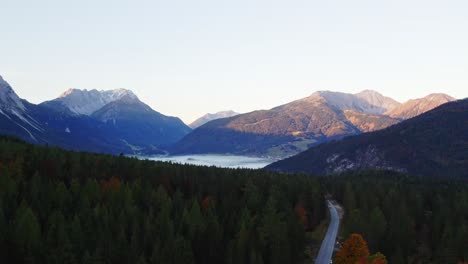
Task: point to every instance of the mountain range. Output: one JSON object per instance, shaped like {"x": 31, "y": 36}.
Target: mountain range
{"x": 98, "y": 121}
{"x": 210, "y": 117}
{"x": 432, "y": 144}
{"x": 294, "y": 127}
{"x": 419, "y": 106}
{"x": 117, "y": 121}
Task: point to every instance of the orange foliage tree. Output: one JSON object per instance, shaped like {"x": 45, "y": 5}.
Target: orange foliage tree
{"x": 206, "y": 203}
{"x": 301, "y": 213}
{"x": 354, "y": 251}
{"x": 111, "y": 184}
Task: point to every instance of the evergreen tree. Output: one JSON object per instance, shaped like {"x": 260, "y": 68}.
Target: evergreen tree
{"x": 27, "y": 233}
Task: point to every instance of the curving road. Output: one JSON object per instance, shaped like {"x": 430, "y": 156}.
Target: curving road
{"x": 328, "y": 244}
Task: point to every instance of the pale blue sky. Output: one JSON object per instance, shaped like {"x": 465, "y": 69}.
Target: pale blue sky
{"x": 186, "y": 58}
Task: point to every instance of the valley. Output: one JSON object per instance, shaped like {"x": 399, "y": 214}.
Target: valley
{"x": 117, "y": 121}
{"x": 220, "y": 161}
{"x": 237, "y": 188}
{"x": 234, "y": 132}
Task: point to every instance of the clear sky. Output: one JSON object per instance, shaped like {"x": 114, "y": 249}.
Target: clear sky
{"x": 187, "y": 58}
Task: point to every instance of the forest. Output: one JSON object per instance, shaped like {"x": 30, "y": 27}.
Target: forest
{"x": 58, "y": 206}
{"x": 408, "y": 219}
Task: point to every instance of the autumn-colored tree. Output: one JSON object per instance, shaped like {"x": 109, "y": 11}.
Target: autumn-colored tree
{"x": 111, "y": 184}
{"x": 206, "y": 203}
{"x": 301, "y": 213}
{"x": 354, "y": 250}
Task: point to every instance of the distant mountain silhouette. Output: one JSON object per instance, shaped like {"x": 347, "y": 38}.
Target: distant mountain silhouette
{"x": 210, "y": 117}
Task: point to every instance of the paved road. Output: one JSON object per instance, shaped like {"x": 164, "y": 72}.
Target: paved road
{"x": 328, "y": 244}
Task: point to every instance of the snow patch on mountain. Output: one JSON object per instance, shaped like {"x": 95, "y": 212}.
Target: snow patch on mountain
{"x": 28, "y": 120}
{"x": 3, "y": 113}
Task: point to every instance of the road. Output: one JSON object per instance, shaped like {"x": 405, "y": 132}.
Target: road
{"x": 328, "y": 244}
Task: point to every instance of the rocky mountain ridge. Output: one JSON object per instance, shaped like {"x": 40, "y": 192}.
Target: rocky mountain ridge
{"x": 432, "y": 144}
{"x": 99, "y": 121}
{"x": 293, "y": 127}
{"x": 210, "y": 117}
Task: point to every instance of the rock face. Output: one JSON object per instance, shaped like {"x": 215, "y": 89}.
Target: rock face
{"x": 432, "y": 144}
{"x": 16, "y": 115}
{"x": 376, "y": 99}
{"x": 9, "y": 100}
{"x": 361, "y": 103}
{"x": 368, "y": 122}
{"x": 419, "y": 106}
{"x": 98, "y": 121}
{"x": 84, "y": 102}
{"x": 123, "y": 116}
{"x": 287, "y": 129}
{"x": 139, "y": 125}
{"x": 210, "y": 117}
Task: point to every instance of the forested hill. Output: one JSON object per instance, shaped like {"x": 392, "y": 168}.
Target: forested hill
{"x": 432, "y": 144}
{"x": 58, "y": 206}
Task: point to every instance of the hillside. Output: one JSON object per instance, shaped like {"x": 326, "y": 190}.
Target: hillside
{"x": 287, "y": 129}
{"x": 60, "y": 206}
{"x": 419, "y": 106}
{"x": 434, "y": 143}
{"x": 376, "y": 99}
{"x": 135, "y": 122}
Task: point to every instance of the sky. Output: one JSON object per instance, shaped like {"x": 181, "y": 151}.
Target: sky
{"x": 188, "y": 58}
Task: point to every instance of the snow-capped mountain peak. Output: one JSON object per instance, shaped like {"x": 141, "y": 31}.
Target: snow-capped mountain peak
{"x": 16, "y": 113}
{"x": 86, "y": 102}
{"x": 121, "y": 93}
{"x": 8, "y": 98}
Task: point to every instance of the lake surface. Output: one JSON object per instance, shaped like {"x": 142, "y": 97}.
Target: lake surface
{"x": 222, "y": 161}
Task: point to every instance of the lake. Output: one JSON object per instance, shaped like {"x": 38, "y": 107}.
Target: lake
{"x": 222, "y": 161}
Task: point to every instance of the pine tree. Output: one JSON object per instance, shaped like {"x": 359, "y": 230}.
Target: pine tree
{"x": 377, "y": 227}
{"x": 27, "y": 232}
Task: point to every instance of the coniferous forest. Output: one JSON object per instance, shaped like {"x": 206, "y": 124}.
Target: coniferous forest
{"x": 58, "y": 206}
{"x": 66, "y": 207}
{"x": 408, "y": 219}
